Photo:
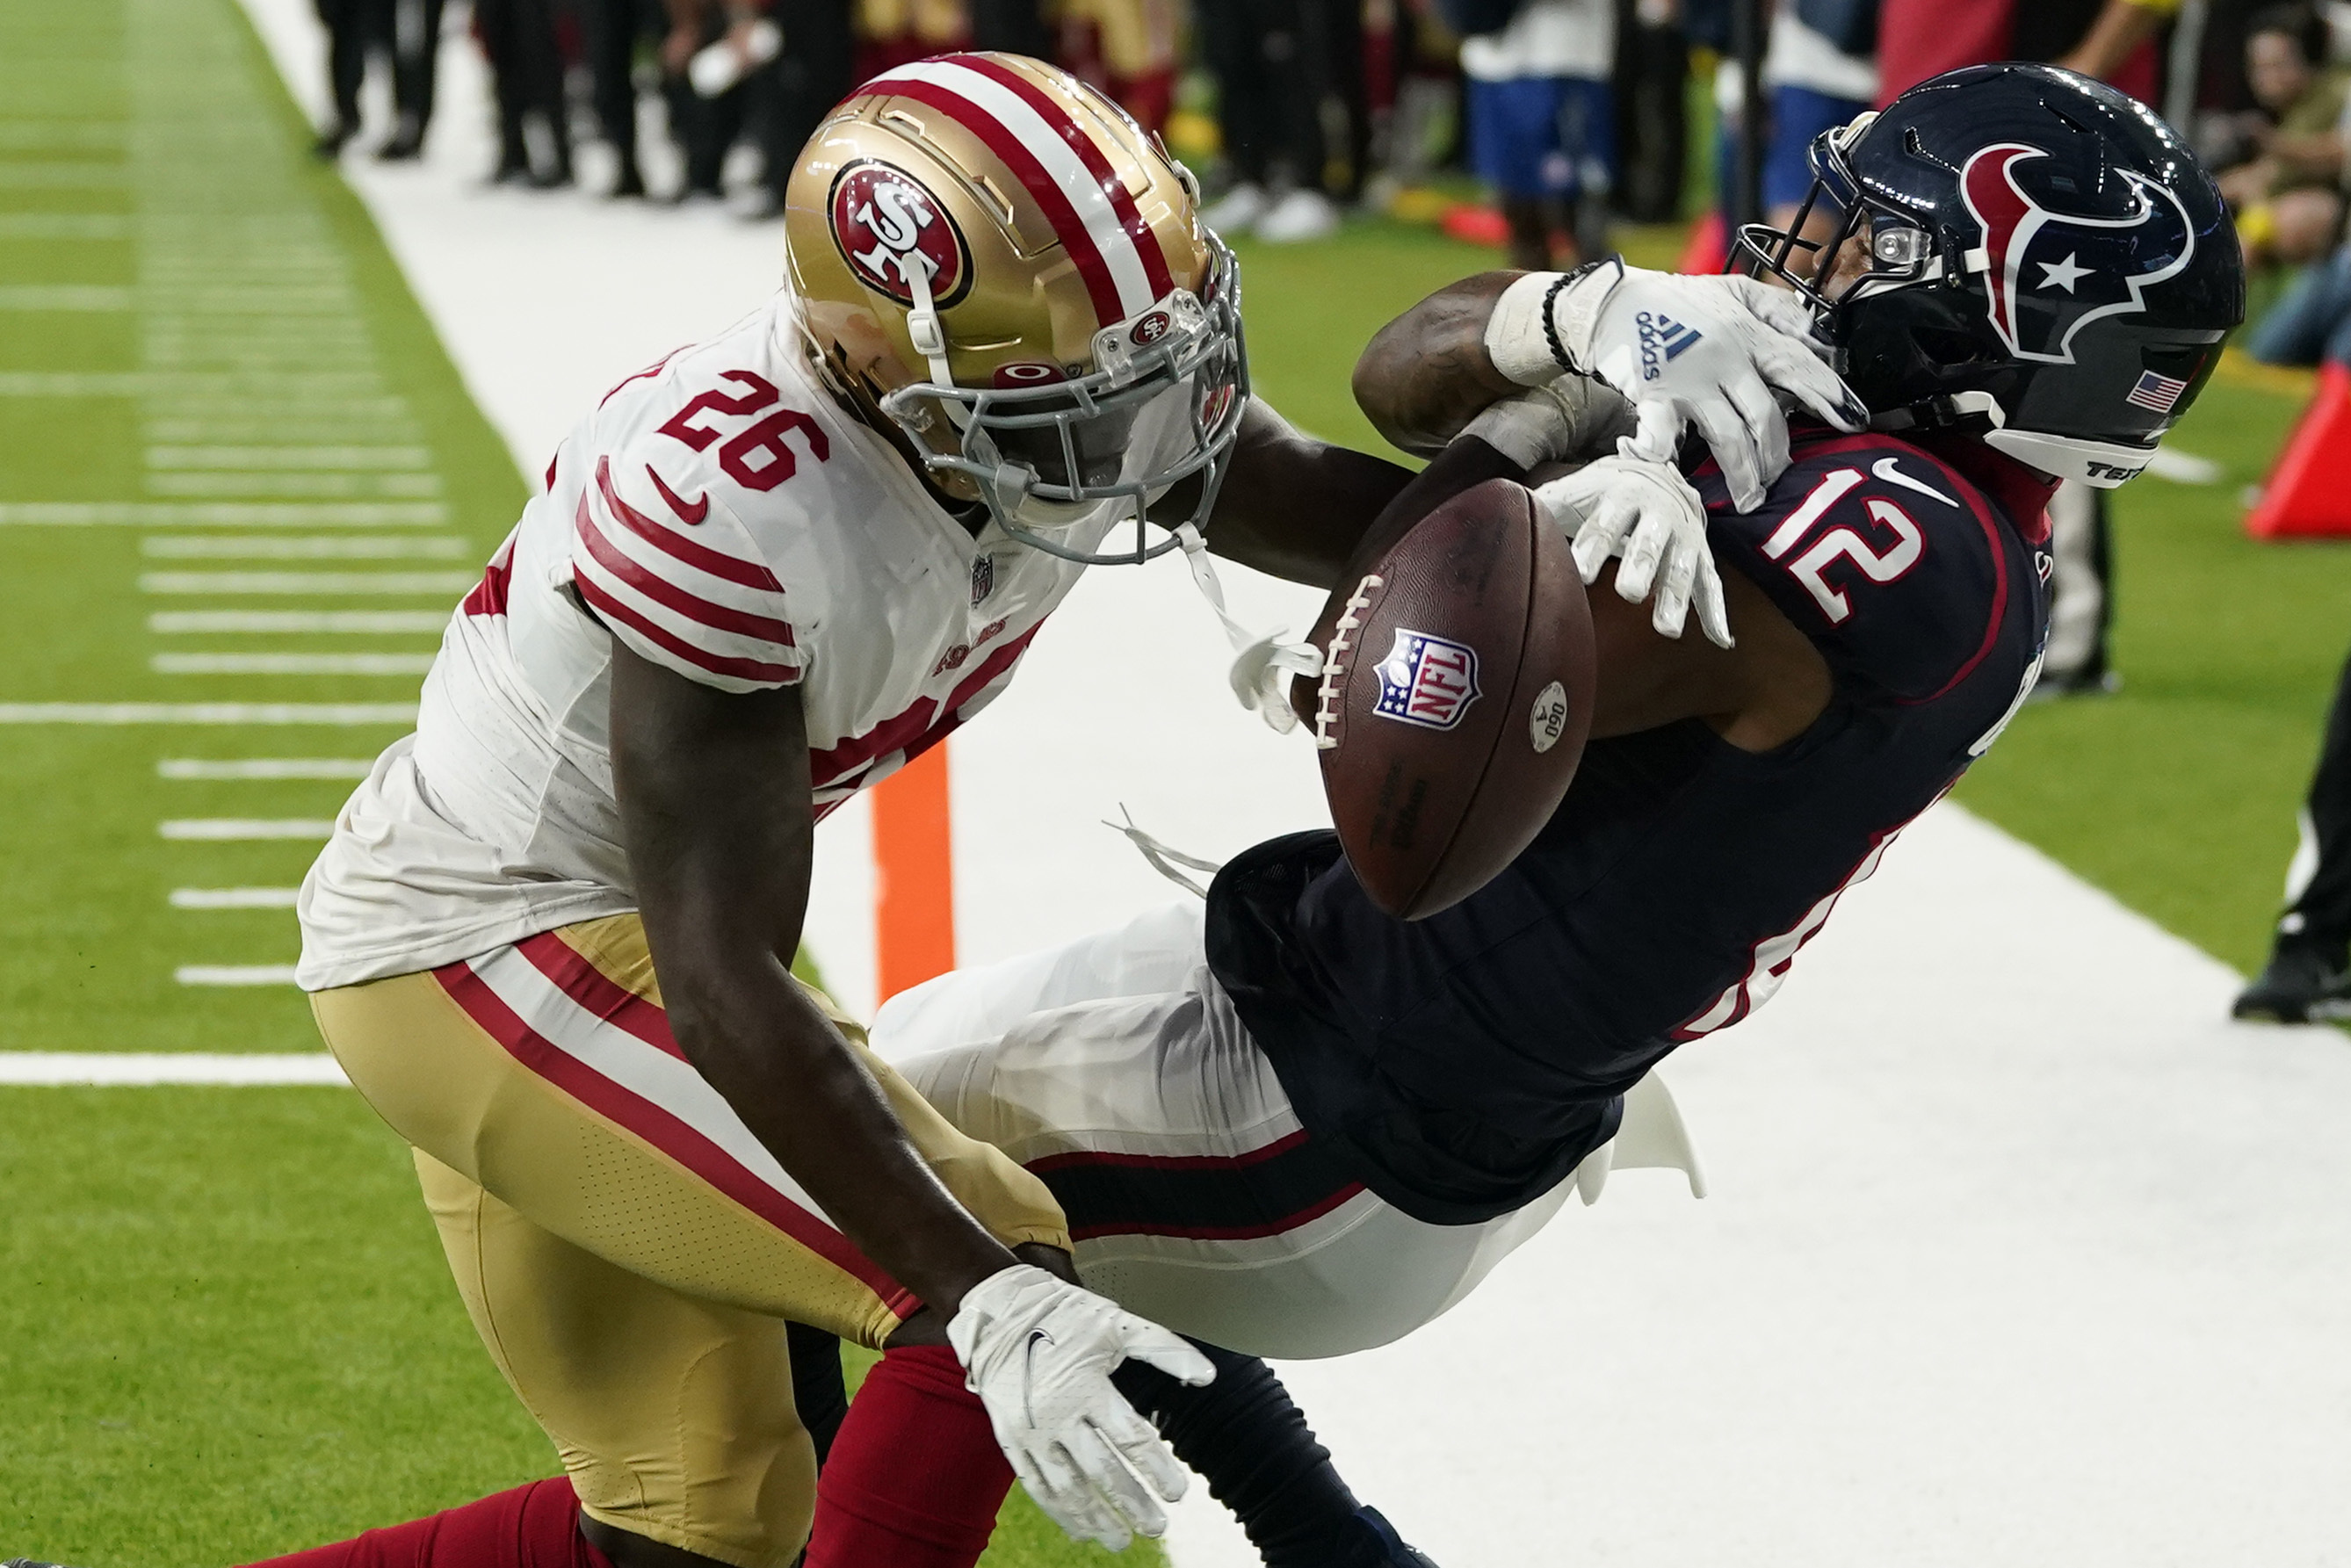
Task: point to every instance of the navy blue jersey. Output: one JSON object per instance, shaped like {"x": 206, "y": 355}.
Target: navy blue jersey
{"x": 1465, "y": 1063}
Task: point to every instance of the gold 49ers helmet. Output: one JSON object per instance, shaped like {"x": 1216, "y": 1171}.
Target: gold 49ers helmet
{"x": 994, "y": 257}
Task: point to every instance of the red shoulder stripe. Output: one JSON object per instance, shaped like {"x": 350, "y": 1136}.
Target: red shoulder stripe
{"x": 692, "y": 606}
{"x": 702, "y": 558}
{"x": 662, "y": 637}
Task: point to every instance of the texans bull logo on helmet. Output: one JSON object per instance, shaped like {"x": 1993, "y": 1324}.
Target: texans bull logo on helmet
{"x": 885, "y": 222}
{"x": 2051, "y": 274}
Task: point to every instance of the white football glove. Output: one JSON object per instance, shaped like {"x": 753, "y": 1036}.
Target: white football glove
{"x": 1039, "y": 1351}
{"x": 1707, "y": 352}
{"x": 1647, "y": 511}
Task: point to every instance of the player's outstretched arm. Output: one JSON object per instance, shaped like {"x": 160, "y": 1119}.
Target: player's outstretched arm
{"x": 1719, "y": 355}
{"x": 715, "y": 816}
{"x": 1290, "y": 505}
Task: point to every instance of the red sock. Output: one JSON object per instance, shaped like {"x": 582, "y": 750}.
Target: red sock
{"x": 534, "y": 1526}
{"x": 914, "y": 1477}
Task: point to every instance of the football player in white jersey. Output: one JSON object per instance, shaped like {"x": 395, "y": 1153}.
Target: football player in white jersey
{"x": 549, "y": 941}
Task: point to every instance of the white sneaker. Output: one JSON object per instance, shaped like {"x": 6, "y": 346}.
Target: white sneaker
{"x": 1301, "y": 216}
{"x": 1237, "y": 209}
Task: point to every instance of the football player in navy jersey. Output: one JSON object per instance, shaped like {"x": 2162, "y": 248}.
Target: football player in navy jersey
{"x": 1289, "y": 1124}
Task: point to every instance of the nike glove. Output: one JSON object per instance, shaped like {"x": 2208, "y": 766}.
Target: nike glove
{"x": 1039, "y": 1351}
{"x": 1704, "y": 351}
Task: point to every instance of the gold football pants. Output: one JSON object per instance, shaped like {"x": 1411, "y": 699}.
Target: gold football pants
{"x": 627, "y": 1250}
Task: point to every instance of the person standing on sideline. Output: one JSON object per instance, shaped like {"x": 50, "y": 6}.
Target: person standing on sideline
{"x": 1542, "y": 123}
{"x": 2308, "y": 977}
{"x": 409, "y": 31}
{"x": 1280, "y": 65}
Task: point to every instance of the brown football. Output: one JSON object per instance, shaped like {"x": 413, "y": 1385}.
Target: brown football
{"x": 1456, "y": 699}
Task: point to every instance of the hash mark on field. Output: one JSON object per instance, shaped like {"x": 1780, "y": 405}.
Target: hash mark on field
{"x": 222, "y": 515}
{"x": 69, "y": 297}
{"x": 273, "y": 483}
{"x": 291, "y": 664}
{"x": 402, "y": 714}
{"x": 389, "y": 582}
{"x": 64, "y": 225}
{"x": 235, "y": 974}
{"x": 263, "y": 768}
{"x": 361, "y": 457}
{"x": 246, "y": 829}
{"x": 217, "y": 546}
{"x": 141, "y": 1069}
{"x": 169, "y": 621}
{"x": 233, "y": 897}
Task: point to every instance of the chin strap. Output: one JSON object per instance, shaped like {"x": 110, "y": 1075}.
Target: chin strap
{"x": 1263, "y": 663}
{"x": 928, "y": 333}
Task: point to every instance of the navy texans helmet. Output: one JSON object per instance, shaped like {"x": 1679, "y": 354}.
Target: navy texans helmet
{"x": 2042, "y": 262}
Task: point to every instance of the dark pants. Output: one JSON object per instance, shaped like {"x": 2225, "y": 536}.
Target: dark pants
{"x": 2318, "y": 914}
{"x": 1015, "y": 27}
{"x": 1284, "y": 71}
{"x": 815, "y": 72}
{"x": 611, "y": 30}
{"x": 526, "y": 71}
{"x": 408, "y": 30}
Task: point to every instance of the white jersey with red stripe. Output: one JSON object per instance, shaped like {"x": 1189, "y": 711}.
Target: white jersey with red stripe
{"x": 722, "y": 516}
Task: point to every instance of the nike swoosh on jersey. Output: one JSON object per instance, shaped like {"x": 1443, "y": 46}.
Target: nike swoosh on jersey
{"x": 688, "y": 513}
{"x": 1883, "y": 468}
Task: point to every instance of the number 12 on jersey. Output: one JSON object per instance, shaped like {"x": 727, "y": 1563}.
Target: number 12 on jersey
{"x": 1888, "y": 564}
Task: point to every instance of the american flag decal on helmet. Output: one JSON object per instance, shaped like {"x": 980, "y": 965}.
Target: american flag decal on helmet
{"x": 2154, "y": 394}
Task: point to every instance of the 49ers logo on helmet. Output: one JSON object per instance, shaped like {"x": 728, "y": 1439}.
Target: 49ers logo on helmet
{"x": 887, "y": 226}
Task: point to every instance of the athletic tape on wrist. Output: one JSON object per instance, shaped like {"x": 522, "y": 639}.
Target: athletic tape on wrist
{"x": 1542, "y": 323}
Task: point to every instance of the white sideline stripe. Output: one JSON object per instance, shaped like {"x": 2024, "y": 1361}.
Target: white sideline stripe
{"x": 233, "y": 897}
{"x": 233, "y": 975}
{"x": 168, "y": 623}
{"x": 389, "y": 582}
{"x": 222, "y": 515}
{"x": 246, "y": 829}
{"x": 615, "y": 1054}
{"x": 291, "y": 664}
{"x": 217, "y": 546}
{"x": 64, "y": 296}
{"x": 126, "y": 1069}
{"x": 263, "y": 768}
{"x": 289, "y": 458}
{"x": 208, "y": 713}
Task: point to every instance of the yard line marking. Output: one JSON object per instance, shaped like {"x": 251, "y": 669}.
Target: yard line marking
{"x": 244, "y": 829}
{"x": 218, "y": 547}
{"x": 223, "y": 514}
{"x": 353, "y": 486}
{"x": 233, "y": 897}
{"x": 28, "y": 176}
{"x": 349, "y": 457}
{"x": 64, "y": 296}
{"x": 386, "y": 583}
{"x": 194, "y": 384}
{"x": 291, "y": 663}
{"x": 335, "y": 714}
{"x": 176, "y": 622}
{"x": 64, "y": 225}
{"x": 264, "y": 767}
{"x": 235, "y": 974}
{"x": 75, "y": 135}
{"x": 133, "y": 1070}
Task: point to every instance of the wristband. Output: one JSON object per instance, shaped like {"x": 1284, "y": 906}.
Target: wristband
{"x": 1543, "y": 322}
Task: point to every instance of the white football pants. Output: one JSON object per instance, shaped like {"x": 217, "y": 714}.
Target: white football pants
{"x": 1116, "y": 1068}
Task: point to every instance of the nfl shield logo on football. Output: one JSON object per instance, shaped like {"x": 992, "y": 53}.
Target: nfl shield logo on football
{"x": 1426, "y": 680}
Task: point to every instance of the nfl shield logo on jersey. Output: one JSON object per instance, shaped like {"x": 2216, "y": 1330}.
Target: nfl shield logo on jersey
{"x": 983, "y": 578}
{"x": 1426, "y": 680}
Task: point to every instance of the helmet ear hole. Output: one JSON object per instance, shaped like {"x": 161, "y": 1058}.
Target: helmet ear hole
{"x": 1945, "y": 346}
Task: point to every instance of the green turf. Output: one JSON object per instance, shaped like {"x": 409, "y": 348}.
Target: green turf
{"x": 227, "y": 1331}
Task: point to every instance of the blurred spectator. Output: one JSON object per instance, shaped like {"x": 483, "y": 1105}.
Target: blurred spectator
{"x": 1128, "y": 48}
{"x": 2286, "y": 195}
{"x": 892, "y": 33}
{"x": 1653, "y": 70}
{"x": 1290, "y": 104}
{"x": 526, "y": 73}
{"x": 2112, "y": 40}
{"x": 410, "y": 32}
{"x": 1015, "y": 26}
{"x": 1819, "y": 72}
{"x": 1542, "y": 123}
{"x": 792, "y": 95}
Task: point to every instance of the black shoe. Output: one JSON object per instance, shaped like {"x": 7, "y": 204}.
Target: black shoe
{"x": 329, "y": 146}
{"x": 630, "y": 183}
{"x": 404, "y": 148}
{"x": 1390, "y": 1550}
{"x": 2299, "y": 986}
